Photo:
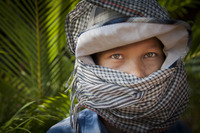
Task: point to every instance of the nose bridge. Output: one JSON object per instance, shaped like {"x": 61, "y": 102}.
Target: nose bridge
{"x": 135, "y": 67}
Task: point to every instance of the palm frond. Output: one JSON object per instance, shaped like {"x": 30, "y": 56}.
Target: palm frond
{"x": 34, "y": 61}
{"x": 33, "y": 36}
{"x": 38, "y": 118}
{"x": 178, "y": 8}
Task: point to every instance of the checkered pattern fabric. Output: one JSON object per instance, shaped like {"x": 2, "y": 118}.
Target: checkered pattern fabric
{"x": 134, "y": 8}
{"x": 77, "y": 21}
{"x": 132, "y": 104}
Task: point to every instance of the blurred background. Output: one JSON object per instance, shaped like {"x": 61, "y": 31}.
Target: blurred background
{"x": 35, "y": 63}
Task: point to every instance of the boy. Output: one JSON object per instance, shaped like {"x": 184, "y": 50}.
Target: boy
{"x": 128, "y": 73}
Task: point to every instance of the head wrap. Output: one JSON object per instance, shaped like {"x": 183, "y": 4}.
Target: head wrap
{"x": 132, "y": 104}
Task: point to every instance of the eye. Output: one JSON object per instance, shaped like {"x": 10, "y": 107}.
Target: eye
{"x": 117, "y": 56}
{"x": 150, "y": 55}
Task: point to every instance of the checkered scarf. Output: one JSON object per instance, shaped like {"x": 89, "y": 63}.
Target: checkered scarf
{"x": 132, "y": 104}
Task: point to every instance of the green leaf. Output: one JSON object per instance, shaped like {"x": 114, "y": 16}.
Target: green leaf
{"x": 15, "y": 116}
{"x": 34, "y": 61}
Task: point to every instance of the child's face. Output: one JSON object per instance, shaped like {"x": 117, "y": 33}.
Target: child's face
{"x": 139, "y": 59}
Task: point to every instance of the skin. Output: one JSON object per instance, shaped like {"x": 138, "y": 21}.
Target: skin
{"x": 139, "y": 59}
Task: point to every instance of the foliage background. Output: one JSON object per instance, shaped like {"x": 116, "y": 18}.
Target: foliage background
{"x": 35, "y": 63}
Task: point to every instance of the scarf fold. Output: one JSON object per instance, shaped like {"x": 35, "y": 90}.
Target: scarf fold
{"x": 132, "y": 104}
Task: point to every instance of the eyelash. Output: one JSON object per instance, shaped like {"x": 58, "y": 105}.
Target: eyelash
{"x": 150, "y": 55}
{"x": 119, "y": 56}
